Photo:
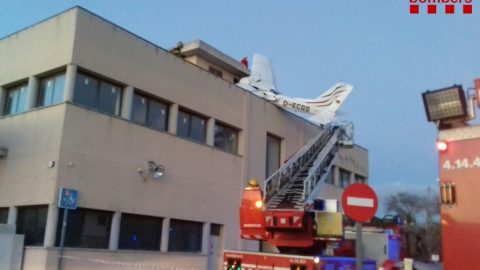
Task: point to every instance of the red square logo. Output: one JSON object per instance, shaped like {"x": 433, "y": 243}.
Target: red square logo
{"x": 449, "y": 9}
{"x": 414, "y": 9}
{"x": 467, "y": 9}
{"x": 432, "y": 9}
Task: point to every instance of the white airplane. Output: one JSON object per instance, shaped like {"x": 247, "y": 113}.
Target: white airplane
{"x": 262, "y": 83}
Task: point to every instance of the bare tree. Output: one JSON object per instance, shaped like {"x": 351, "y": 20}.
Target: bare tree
{"x": 405, "y": 204}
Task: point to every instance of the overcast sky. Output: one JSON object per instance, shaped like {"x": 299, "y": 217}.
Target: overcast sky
{"x": 387, "y": 54}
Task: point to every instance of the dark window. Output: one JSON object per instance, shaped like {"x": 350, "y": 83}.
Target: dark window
{"x": 329, "y": 179}
{"x": 185, "y": 236}
{"x": 150, "y": 112}
{"x": 51, "y": 90}
{"x": 215, "y": 72}
{"x": 3, "y": 215}
{"x": 273, "y": 155}
{"x": 226, "y": 138}
{"x": 97, "y": 94}
{"x": 344, "y": 179}
{"x": 359, "y": 179}
{"x": 31, "y": 222}
{"x": 16, "y": 100}
{"x": 215, "y": 229}
{"x": 86, "y": 228}
{"x": 140, "y": 232}
{"x": 191, "y": 126}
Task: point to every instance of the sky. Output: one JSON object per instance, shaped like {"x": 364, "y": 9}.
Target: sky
{"x": 389, "y": 55}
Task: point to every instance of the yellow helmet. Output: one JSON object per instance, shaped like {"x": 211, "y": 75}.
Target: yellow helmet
{"x": 253, "y": 182}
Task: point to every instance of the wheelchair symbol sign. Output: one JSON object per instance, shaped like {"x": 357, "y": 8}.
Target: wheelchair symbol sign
{"x": 68, "y": 198}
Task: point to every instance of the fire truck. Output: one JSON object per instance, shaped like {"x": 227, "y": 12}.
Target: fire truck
{"x": 286, "y": 213}
{"x": 459, "y": 172}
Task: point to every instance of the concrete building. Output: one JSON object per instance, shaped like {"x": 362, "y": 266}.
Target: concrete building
{"x": 87, "y": 105}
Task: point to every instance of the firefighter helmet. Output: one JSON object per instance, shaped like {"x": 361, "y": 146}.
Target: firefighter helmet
{"x": 253, "y": 182}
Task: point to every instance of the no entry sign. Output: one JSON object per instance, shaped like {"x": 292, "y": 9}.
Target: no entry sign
{"x": 359, "y": 202}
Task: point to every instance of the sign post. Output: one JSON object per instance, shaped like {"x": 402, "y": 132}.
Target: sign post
{"x": 360, "y": 203}
{"x": 67, "y": 200}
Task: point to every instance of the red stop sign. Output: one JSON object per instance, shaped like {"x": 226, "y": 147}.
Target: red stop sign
{"x": 359, "y": 202}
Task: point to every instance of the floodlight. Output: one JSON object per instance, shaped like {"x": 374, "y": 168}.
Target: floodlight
{"x": 445, "y": 104}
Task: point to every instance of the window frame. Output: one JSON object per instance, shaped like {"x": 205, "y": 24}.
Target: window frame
{"x": 173, "y": 245}
{"x": 226, "y": 126}
{"x": 192, "y": 114}
{"x": 150, "y": 98}
{"x": 215, "y": 71}
{"x": 7, "y": 103}
{"x": 54, "y": 76}
{"x": 34, "y": 233}
{"x": 98, "y": 92}
{"x": 341, "y": 182}
{"x": 140, "y": 231}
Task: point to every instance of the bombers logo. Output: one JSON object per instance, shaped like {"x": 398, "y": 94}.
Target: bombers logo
{"x": 449, "y": 6}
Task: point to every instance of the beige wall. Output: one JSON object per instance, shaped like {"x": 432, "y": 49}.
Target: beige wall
{"x": 47, "y": 259}
{"x": 38, "y": 48}
{"x": 33, "y": 139}
{"x": 99, "y": 154}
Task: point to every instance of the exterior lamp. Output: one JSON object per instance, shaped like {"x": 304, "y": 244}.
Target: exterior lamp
{"x": 157, "y": 170}
{"x": 445, "y": 104}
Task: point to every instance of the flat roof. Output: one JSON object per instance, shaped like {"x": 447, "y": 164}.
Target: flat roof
{"x": 216, "y": 57}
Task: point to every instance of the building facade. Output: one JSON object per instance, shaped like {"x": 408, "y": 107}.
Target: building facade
{"x": 88, "y": 105}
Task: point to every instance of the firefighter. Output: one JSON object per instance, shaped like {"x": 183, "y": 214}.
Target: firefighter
{"x": 177, "y": 51}
{"x": 245, "y": 62}
{"x": 253, "y": 182}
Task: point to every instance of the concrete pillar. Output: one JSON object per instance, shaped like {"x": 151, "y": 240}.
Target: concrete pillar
{"x": 32, "y": 90}
{"x": 206, "y": 237}
{"x": 51, "y": 227}
{"x": 210, "y": 131}
{"x": 70, "y": 76}
{"x": 336, "y": 176}
{"x": 172, "y": 119}
{"x": 12, "y": 215}
{"x": 352, "y": 178}
{"x": 3, "y": 99}
{"x": 115, "y": 231}
{"x": 165, "y": 235}
{"x": 127, "y": 102}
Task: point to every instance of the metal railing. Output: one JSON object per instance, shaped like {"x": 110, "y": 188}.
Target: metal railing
{"x": 321, "y": 166}
{"x": 278, "y": 179}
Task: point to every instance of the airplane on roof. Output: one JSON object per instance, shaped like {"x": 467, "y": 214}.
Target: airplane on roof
{"x": 261, "y": 82}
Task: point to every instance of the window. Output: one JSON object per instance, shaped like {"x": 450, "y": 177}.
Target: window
{"x": 51, "y": 90}
{"x": 226, "y": 138}
{"x": 140, "y": 232}
{"x": 359, "y": 179}
{"x": 344, "y": 178}
{"x": 185, "y": 236}
{"x": 150, "y": 112}
{"x": 31, "y": 221}
{"x": 3, "y": 215}
{"x": 273, "y": 155}
{"x": 191, "y": 126}
{"x": 16, "y": 100}
{"x": 215, "y": 229}
{"x": 97, "y": 94}
{"x": 86, "y": 228}
{"x": 215, "y": 72}
{"x": 330, "y": 176}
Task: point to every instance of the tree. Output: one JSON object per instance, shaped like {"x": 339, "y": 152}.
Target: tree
{"x": 421, "y": 240}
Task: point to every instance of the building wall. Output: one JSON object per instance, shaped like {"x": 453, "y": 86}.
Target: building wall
{"x": 33, "y": 139}
{"x": 100, "y": 154}
{"x": 38, "y": 48}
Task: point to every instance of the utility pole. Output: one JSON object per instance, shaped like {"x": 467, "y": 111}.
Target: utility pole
{"x": 429, "y": 216}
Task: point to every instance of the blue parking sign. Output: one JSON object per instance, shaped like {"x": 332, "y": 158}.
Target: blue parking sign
{"x": 68, "y": 198}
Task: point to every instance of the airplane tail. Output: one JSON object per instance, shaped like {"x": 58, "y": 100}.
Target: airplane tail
{"x": 333, "y": 98}
{"x": 261, "y": 74}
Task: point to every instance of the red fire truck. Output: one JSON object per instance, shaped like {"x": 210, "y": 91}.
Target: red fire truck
{"x": 242, "y": 260}
{"x": 459, "y": 173}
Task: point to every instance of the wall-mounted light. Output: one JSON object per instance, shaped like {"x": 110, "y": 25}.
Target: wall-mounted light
{"x": 445, "y": 104}
{"x": 157, "y": 170}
